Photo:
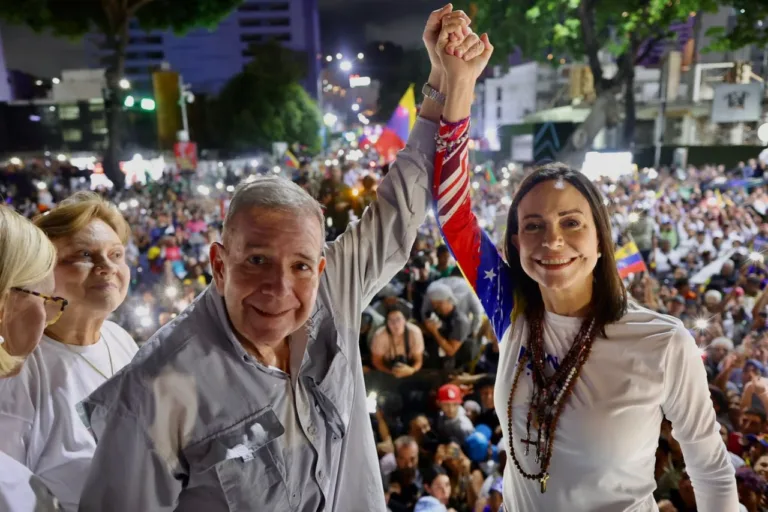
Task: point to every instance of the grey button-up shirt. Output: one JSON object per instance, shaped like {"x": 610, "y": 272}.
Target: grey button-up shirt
{"x": 196, "y": 424}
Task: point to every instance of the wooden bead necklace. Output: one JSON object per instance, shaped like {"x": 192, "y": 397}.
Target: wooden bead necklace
{"x": 549, "y": 395}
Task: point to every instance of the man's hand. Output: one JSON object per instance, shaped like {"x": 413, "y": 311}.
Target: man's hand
{"x": 431, "y": 326}
{"x": 431, "y": 33}
{"x": 759, "y": 384}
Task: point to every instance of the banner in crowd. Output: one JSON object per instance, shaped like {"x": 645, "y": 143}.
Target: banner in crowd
{"x": 629, "y": 260}
{"x": 186, "y": 155}
{"x": 737, "y": 103}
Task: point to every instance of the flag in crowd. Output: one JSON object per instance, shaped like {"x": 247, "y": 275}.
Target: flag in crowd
{"x": 629, "y": 260}
{"x": 396, "y": 132}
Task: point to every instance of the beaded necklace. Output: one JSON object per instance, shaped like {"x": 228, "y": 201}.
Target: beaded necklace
{"x": 549, "y": 395}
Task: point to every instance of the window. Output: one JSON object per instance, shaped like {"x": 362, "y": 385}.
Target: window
{"x": 251, "y": 38}
{"x": 69, "y": 112}
{"x": 144, "y": 55}
{"x": 498, "y": 112}
{"x": 99, "y": 126}
{"x": 96, "y": 106}
{"x": 264, "y": 6}
{"x": 146, "y": 40}
{"x": 278, "y": 22}
{"x": 498, "y": 94}
{"x": 72, "y": 135}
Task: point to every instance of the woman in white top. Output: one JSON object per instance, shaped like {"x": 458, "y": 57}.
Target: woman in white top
{"x": 38, "y": 417}
{"x": 27, "y": 258}
{"x": 584, "y": 377}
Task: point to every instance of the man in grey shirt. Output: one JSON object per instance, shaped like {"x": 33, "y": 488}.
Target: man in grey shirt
{"x": 253, "y": 398}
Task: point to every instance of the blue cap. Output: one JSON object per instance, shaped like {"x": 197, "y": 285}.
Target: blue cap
{"x": 477, "y": 447}
{"x": 485, "y": 430}
{"x": 757, "y": 364}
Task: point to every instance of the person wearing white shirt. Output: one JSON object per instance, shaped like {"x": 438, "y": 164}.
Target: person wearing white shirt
{"x": 27, "y": 259}
{"x": 585, "y": 376}
{"x": 665, "y": 257}
{"x": 42, "y": 429}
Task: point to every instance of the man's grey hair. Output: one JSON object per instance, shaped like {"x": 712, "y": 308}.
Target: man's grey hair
{"x": 403, "y": 442}
{"x": 276, "y": 193}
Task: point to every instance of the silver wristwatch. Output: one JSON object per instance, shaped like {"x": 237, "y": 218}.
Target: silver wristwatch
{"x": 433, "y": 94}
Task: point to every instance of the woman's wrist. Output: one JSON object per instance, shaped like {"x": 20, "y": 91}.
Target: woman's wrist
{"x": 460, "y": 94}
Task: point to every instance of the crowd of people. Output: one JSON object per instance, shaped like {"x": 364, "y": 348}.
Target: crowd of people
{"x": 429, "y": 353}
{"x": 130, "y": 262}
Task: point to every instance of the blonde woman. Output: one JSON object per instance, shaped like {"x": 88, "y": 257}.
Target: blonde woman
{"x": 27, "y": 259}
{"x": 40, "y": 425}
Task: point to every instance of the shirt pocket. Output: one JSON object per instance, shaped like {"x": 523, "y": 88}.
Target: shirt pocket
{"x": 245, "y": 461}
{"x": 334, "y": 395}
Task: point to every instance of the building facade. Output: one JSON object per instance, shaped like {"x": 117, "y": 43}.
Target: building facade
{"x": 207, "y": 59}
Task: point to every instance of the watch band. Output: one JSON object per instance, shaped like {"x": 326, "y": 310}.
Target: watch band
{"x": 433, "y": 94}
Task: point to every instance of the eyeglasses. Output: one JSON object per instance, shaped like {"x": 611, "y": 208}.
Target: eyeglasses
{"x": 54, "y": 306}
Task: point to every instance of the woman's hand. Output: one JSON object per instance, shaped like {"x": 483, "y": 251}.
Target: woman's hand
{"x": 430, "y": 37}
{"x": 462, "y": 53}
{"x": 464, "y": 57}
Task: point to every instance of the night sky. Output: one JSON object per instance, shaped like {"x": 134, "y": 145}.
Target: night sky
{"x": 346, "y": 25}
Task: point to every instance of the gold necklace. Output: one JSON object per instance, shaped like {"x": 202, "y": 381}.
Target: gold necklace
{"x": 109, "y": 353}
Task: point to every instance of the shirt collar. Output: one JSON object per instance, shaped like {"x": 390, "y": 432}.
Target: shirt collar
{"x": 299, "y": 340}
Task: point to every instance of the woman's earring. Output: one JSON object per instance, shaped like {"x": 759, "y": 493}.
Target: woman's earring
{"x": 599, "y": 255}
{"x": 2, "y": 340}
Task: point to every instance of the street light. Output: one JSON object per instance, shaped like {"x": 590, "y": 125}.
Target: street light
{"x": 124, "y": 83}
{"x": 38, "y": 83}
{"x": 56, "y": 81}
{"x": 355, "y": 107}
{"x": 330, "y": 119}
{"x": 360, "y": 55}
{"x": 339, "y": 56}
{"x": 129, "y": 101}
{"x": 329, "y": 58}
{"x": 345, "y": 65}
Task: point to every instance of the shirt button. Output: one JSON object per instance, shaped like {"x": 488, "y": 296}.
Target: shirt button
{"x": 312, "y": 430}
{"x": 320, "y": 475}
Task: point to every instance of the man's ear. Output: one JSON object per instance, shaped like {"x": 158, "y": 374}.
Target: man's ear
{"x": 217, "y": 256}
{"x": 321, "y": 266}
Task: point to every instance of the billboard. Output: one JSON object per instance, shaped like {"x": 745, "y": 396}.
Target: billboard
{"x": 737, "y": 103}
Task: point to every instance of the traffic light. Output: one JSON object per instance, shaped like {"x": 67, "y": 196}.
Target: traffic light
{"x": 144, "y": 103}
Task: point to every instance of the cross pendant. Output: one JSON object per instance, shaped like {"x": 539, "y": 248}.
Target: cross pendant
{"x": 544, "y": 483}
{"x": 528, "y": 443}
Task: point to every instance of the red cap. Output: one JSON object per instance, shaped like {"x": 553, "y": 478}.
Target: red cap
{"x": 449, "y": 393}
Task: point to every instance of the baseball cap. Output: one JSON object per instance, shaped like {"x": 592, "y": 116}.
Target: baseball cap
{"x": 449, "y": 393}
{"x": 476, "y": 445}
{"x": 758, "y": 439}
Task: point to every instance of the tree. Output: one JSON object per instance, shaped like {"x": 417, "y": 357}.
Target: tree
{"x": 578, "y": 30}
{"x": 75, "y": 18}
{"x": 265, "y": 104}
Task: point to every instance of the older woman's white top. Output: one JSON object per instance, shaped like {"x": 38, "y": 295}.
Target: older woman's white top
{"x": 40, "y": 426}
{"x": 604, "y": 452}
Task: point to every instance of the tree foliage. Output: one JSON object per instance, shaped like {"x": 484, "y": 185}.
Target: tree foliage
{"x": 556, "y": 31}
{"x": 75, "y": 18}
{"x": 265, "y": 103}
